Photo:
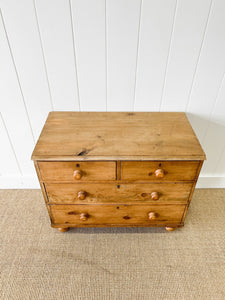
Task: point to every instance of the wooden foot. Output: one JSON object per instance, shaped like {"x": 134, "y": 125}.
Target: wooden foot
{"x": 170, "y": 228}
{"x": 63, "y": 229}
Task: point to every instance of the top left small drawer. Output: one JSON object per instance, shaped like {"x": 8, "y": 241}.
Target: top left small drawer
{"x": 76, "y": 171}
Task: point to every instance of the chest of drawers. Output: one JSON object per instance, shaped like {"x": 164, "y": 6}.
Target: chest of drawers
{"x": 117, "y": 169}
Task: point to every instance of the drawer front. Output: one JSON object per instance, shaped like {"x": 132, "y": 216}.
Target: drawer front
{"x": 159, "y": 170}
{"x": 75, "y": 171}
{"x": 116, "y": 214}
{"x": 85, "y": 193}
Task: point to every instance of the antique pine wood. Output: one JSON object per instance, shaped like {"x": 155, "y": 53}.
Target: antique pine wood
{"x": 140, "y": 193}
{"x": 117, "y": 214}
{"x": 117, "y": 136}
{"x": 64, "y": 171}
{"x": 117, "y": 169}
{"x": 144, "y": 170}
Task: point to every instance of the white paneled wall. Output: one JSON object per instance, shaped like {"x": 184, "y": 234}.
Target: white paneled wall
{"x": 156, "y": 27}
{"x": 110, "y": 55}
{"x": 53, "y": 18}
{"x": 88, "y": 18}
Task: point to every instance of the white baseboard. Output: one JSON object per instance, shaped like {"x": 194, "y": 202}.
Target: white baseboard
{"x": 31, "y": 182}
{"x": 210, "y": 182}
{"x": 22, "y": 182}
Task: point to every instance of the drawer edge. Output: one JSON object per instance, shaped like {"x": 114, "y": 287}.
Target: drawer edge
{"x": 56, "y": 225}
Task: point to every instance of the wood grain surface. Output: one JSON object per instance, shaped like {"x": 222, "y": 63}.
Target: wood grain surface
{"x": 64, "y": 171}
{"x": 117, "y": 136}
{"x": 116, "y": 214}
{"x": 118, "y": 193}
{"x": 173, "y": 171}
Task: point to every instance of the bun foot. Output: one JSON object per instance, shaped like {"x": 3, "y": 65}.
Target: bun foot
{"x": 63, "y": 229}
{"x": 170, "y": 228}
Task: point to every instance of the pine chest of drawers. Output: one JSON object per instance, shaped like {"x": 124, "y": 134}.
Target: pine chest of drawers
{"x": 117, "y": 169}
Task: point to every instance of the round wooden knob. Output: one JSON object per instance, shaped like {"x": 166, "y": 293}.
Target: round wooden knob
{"x": 77, "y": 174}
{"x": 159, "y": 173}
{"x": 84, "y": 216}
{"x": 81, "y": 195}
{"x": 152, "y": 215}
{"x": 155, "y": 196}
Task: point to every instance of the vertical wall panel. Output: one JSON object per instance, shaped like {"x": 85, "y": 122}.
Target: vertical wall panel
{"x": 122, "y": 19}
{"x": 115, "y": 55}
{"x": 214, "y": 140}
{"x": 220, "y": 169}
{"x": 8, "y": 163}
{"x": 12, "y": 107}
{"x": 210, "y": 70}
{"x": 89, "y": 35}
{"x": 155, "y": 33}
{"x": 54, "y": 19}
{"x": 214, "y": 146}
{"x": 190, "y": 23}
{"x": 20, "y": 22}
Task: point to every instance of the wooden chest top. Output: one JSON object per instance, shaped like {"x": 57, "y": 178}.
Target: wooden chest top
{"x": 117, "y": 136}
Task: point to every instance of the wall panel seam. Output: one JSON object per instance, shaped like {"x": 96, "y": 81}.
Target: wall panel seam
{"x": 43, "y": 54}
{"x": 137, "y": 54}
{"x": 213, "y": 109}
{"x": 74, "y": 54}
{"x": 17, "y": 76}
{"x": 11, "y": 144}
{"x": 106, "y": 59}
{"x": 168, "y": 55}
{"x": 199, "y": 56}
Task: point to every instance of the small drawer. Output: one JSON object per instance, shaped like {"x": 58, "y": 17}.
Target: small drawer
{"x": 159, "y": 170}
{"x": 76, "y": 171}
{"x": 139, "y": 193}
{"x": 81, "y": 215}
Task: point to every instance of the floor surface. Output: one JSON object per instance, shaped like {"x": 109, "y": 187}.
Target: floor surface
{"x": 38, "y": 262}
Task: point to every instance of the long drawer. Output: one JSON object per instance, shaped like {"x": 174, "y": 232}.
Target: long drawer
{"x": 75, "y": 171}
{"x": 116, "y": 214}
{"x": 159, "y": 170}
{"x": 90, "y": 193}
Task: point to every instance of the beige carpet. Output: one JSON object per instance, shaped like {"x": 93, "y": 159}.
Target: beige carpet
{"x": 38, "y": 262}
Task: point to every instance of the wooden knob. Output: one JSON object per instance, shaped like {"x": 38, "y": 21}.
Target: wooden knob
{"x": 152, "y": 215}
{"x": 81, "y": 195}
{"x": 159, "y": 173}
{"x": 84, "y": 216}
{"x": 77, "y": 174}
{"x": 170, "y": 228}
{"x": 155, "y": 196}
{"x": 63, "y": 229}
